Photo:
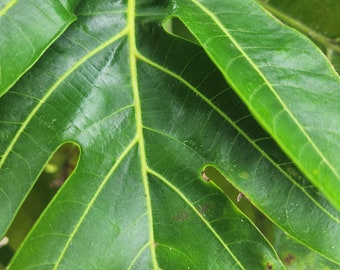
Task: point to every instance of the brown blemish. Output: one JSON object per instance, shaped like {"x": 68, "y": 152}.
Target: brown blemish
{"x": 269, "y": 266}
{"x": 180, "y": 217}
{"x": 203, "y": 209}
{"x": 288, "y": 260}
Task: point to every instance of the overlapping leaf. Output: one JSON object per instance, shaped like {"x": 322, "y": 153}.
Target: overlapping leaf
{"x": 290, "y": 87}
{"x": 148, "y": 112}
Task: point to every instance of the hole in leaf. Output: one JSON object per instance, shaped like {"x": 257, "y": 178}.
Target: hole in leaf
{"x": 176, "y": 27}
{"x": 56, "y": 171}
{"x": 261, "y": 221}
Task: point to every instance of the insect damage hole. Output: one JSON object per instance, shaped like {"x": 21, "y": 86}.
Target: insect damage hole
{"x": 204, "y": 176}
{"x": 242, "y": 201}
{"x": 208, "y": 173}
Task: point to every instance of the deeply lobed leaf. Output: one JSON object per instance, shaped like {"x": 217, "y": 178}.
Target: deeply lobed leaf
{"x": 121, "y": 208}
{"x": 148, "y": 111}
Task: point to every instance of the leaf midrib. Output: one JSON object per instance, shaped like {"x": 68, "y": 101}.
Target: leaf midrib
{"x": 131, "y": 15}
{"x": 130, "y": 32}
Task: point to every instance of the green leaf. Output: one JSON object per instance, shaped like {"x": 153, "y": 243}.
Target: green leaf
{"x": 23, "y": 39}
{"x": 289, "y": 87}
{"x": 296, "y": 256}
{"x": 148, "y": 111}
{"x": 136, "y": 199}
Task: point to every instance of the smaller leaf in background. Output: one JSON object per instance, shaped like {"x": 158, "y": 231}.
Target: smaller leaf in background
{"x": 317, "y": 20}
{"x": 335, "y": 58}
{"x": 27, "y": 29}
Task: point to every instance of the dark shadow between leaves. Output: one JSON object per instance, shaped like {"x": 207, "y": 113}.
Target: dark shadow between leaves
{"x": 211, "y": 174}
{"x": 57, "y": 171}
{"x": 174, "y": 26}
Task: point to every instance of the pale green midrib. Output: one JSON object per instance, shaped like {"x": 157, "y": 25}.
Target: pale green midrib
{"x": 90, "y": 204}
{"x": 139, "y": 123}
{"x": 302, "y": 130}
{"x": 165, "y": 181}
{"x": 54, "y": 87}
{"x": 8, "y": 6}
{"x": 238, "y": 129}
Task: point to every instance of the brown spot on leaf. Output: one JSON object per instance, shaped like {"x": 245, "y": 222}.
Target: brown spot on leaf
{"x": 203, "y": 209}
{"x": 180, "y": 217}
{"x": 288, "y": 259}
{"x": 269, "y": 266}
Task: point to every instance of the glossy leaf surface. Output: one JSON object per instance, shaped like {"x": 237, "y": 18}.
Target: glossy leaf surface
{"x": 130, "y": 120}
{"x": 23, "y": 39}
{"x": 290, "y": 87}
{"x": 149, "y": 111}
